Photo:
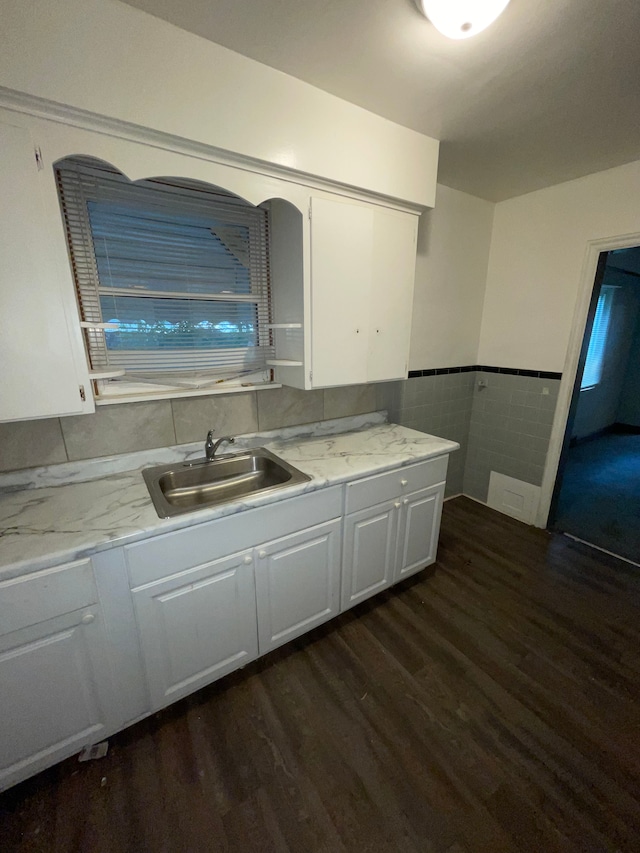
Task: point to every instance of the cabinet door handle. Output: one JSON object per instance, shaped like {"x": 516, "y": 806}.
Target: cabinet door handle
{"x": 397, "y": 504}
{"x": 405, "y": 501}
{"x": 88, "y": 618}
{"x": 248, "y": 560}
{"x": 262, "y": 555}
{"x": 403, "y": 482}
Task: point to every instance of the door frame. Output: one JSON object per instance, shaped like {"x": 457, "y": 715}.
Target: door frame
{"x": 593, "y": 251}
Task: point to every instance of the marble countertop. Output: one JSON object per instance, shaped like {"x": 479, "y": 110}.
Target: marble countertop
{"x": 66, "y": 512}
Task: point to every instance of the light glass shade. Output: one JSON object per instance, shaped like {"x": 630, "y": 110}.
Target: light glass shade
{"x": 460, "y": 19}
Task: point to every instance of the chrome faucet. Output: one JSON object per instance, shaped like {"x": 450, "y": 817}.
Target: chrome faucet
{"x": 211, "y": 446}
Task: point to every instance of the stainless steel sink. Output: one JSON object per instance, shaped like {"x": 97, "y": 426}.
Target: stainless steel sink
{"x": 188, "y": 486}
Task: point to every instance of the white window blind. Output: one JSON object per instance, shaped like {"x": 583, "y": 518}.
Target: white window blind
{"x": 179, "y": 271}
{"x": 592, "y": 373}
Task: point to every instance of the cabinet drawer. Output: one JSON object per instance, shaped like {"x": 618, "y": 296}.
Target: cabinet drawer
{"x": 44, "y": 595}
{"x": 165, "y": 555}
{"x": 384, "y": 487}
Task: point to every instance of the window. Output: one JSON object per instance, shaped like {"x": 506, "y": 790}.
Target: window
{"x": 598, "y": 341}
{"x": 172, "y": 280}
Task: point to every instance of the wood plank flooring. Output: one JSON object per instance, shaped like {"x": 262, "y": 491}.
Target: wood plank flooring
{"x": 491, "y": 704}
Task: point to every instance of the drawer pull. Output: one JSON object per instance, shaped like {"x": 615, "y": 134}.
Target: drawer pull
{"x": 88, "y": 618}
{"x": 404, "y": 482}
{"x": 405, "y": 501}
{"x": 248, "y": 560}
{"x": 262, "y": 555}
{"x": 397, "y": 504}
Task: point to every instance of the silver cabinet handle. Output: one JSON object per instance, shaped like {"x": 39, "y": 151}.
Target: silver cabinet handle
{"x": 404, "y": 482}
{"x": 405, "y": 501}
{"x": 397, "y": 504}
{"x": 262, "y": 555}
{"x": 88, "y": 618}
{"x": 248, "y": 560}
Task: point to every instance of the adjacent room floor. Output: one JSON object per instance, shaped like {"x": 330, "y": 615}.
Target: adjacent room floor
{"x": 600, "y": 495}
{"x": 489, "y": 705}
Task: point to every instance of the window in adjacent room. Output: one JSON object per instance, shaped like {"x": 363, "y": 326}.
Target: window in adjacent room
{"x": 592, "y": 373}
{"x": 179, "y": 273}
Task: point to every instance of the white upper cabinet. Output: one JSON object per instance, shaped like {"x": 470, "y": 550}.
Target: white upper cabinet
{"x": 341, "y": 272}
{"x": 362, "y": 273}
{"x": 43, "y": 363}
{"x": 390, "y": 300}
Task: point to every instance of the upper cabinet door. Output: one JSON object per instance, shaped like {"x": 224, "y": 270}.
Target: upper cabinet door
{"x": 363, "y": 259}
{"x": 41, "y": 373}
{"x": 341, "y": 271}
{"x": 391, "y": 300}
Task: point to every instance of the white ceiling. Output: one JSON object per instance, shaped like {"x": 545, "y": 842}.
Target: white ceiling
{"x": 549, "y": 92}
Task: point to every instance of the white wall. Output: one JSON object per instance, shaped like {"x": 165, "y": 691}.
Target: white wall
{"x": 107, "y": 58}
{"x": 451, "y": 270}
{"x": 629, "y": 411}
{"x": 538, "y": 247}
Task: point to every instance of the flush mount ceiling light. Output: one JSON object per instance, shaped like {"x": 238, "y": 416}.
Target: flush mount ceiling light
{"x": 460, "y": 19}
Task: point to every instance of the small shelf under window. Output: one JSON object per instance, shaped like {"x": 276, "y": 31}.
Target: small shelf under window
{"x": 85, "y": 325}
{"x": 105, "y": 374}
{"x": 284, "y": 325}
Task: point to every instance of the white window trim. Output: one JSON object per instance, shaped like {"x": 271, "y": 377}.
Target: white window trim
{"x": 134, "y": 395}
{"x": 124, "y": 390}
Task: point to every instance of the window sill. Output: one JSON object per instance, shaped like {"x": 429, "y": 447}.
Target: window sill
{"x": 137, "y": 397}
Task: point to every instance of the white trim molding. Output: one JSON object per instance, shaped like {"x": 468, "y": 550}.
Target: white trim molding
{"x": 63, "y": 114}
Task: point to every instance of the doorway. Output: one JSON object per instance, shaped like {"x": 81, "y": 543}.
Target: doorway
{"x": 597, "y": 491}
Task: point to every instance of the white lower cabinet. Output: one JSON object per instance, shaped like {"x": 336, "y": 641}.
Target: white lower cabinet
{"x": 93, "y": 645}
{"x": 197, "y": 626}
{"x": 418, "y": 530}
{"x": 297, "y": 583}
{"x": 391, "y": 539}
{"x": 201, "y": 600}
{"x": 370, "y": 538}
{"x": 57, "y": 694}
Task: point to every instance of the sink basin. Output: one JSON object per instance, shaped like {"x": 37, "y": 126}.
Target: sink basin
{"x": 188, "y": 486}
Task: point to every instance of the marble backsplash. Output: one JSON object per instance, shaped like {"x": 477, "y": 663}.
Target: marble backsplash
{"x": 85, "y": 470}
{"x": 503, "y": 426}
{"x": 131, "y": 427}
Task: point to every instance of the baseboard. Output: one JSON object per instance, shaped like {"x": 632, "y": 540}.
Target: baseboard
{"x": 598, "y": 548}
{"x": 484, "y": 503}
{"x": 612, "y": 429}
{"x": 599, "y": 433}
{"x": 451, "y": 497}
{"x": 471, "y": 498}
{"x": 626, "y": 429}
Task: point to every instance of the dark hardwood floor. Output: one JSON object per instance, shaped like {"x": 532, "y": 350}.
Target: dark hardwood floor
{"x": 491, "y": 704}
